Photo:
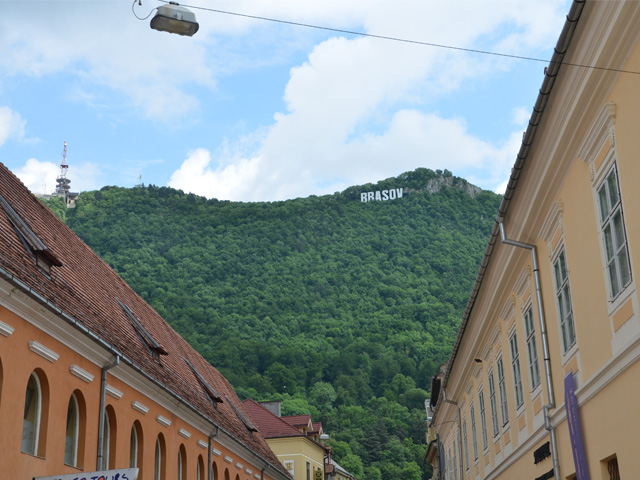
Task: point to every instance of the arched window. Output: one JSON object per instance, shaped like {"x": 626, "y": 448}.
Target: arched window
{"x": 109, "y": 439}
{"x": 160, "y": 464}
{"x": 133, "y": 448}
{"x": 71, "y": 433}
{"x": 32, "y": 412}
{"x": 215, "y": 471}
{"x": 182, "y": 464}
{"x": 136, "y": 448}
{"x": 200, "y": 471}
{"x": 158, "y": 461}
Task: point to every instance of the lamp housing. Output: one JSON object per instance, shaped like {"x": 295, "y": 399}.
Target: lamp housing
{"x": 173, "y": 18}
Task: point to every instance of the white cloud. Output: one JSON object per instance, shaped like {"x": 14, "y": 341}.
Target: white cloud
{"x": 11, "y": 125}
{"x": 233, "y": 182}
{"x": 40, "y": 177}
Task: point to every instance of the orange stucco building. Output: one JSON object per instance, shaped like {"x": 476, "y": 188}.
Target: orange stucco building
{"x": 92, "y": 378}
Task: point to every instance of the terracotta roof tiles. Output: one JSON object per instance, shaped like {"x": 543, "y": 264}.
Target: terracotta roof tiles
{"x": 85, "y": 288}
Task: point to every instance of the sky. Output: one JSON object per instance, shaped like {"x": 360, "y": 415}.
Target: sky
{"x": 255, "y": 110}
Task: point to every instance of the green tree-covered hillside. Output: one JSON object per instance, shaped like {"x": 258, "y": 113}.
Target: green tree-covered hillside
{"x": 341, "y": 308}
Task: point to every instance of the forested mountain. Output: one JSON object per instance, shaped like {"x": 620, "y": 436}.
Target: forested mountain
{"x": 341, "y": 308}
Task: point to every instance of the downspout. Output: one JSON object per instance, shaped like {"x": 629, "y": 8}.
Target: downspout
{"x": 210, "y": 453}
{"x": 455, "y": 404}
{"x": 103, "y": 392}
{"x": 266, "y": 467}
{"x": 545, "y": 346}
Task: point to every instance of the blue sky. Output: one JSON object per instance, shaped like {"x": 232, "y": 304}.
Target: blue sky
{"x": 251, "y": 110}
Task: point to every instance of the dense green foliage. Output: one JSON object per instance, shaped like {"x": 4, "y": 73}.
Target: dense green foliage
{"x": 340, "y": 308}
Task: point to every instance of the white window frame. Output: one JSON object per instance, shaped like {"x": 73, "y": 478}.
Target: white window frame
{"x": 502, "y": 387}
{"x": 563, "y": 300}
{"x": 532, "y": 347}
{"x": 32, "y": 447}
{"x": 465, "y": 443}
{"x": 493, "y": 404}
{"x": 180, "y": 464}
{"x": 133, "y": 448}
{"x": 474, "y": 438}
{"x": 157, "y": 472}
{"x": 71, "y": 449}
{"x": 515, "y": 367}
{"x": 614, "y": 243}
{"x": 483, "y": 420}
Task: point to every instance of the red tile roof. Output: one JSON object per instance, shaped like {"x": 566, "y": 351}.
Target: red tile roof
{"x": 298, "y": 421}
{"x": 270, "y": 425}
{"x": 85, "y": 289}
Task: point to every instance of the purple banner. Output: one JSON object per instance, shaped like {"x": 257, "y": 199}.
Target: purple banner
{"x": 575, "y": 433}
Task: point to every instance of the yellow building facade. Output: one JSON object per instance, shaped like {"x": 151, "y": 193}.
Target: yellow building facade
{"x": 544, "y": 377}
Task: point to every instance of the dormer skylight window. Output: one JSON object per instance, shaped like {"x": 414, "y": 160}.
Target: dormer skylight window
{"x": 43, "y": 257}
{"x": 242, "y": 418}
{"x": 154, "y": 348}
{"x": 208, "y": 389}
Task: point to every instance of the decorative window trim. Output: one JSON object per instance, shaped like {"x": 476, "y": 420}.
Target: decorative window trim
{"x": 248, "y": 471}
{"x": 6, "y": 329}
{"x": 139, "y": 407}
{"x": 553, "y": 227}
{"x": 44, "y": 352}
{"x": 81, "y": 373}
{"x": 523, "y": 284}
{"x": 228, "y": 459}
{"x": 113, "y": 392}
{"x": 509, "y": 309}
{"x": 184, "y": 433}
{"x": 202, "y": 444}
{"x": 164, "y": 421}
{"x": 239, "y": 466}
{"x": 216, "y": 452}
{"x": 603, "y": 128}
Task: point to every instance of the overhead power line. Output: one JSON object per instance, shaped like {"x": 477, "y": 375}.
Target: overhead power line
{"x": 398, "y": 39}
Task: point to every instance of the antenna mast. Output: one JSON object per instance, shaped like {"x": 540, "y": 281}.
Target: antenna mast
{"x": 62, "y": 182}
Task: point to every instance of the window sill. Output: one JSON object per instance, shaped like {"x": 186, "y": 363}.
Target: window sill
{"x": 33, "y": 455}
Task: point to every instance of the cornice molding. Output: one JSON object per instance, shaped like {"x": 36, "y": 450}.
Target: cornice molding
{"x": 43, "y": 351}
{"x": 81, "y": 373}
{"x": 6, "y": 329}
{"x": 164, "y": 421}
{"x": 139, "y": 407}
{"x": 113, "y": 392}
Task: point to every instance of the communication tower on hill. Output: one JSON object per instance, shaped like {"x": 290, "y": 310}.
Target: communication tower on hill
{"x": 62, "y": 182}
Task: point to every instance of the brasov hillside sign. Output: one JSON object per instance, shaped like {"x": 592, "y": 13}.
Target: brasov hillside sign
{"x": 120, "y": 474}
{"x": 382, "y": 195}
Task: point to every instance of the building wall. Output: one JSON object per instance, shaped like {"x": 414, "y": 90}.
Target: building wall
{"x": 17, "y": 362}
{"x": 590, "y": 125}
{"x": 301, "y": 451}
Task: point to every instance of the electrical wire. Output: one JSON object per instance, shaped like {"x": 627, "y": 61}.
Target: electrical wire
{"x": 139, "y": 2}
{"x": 403, "y": 40}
